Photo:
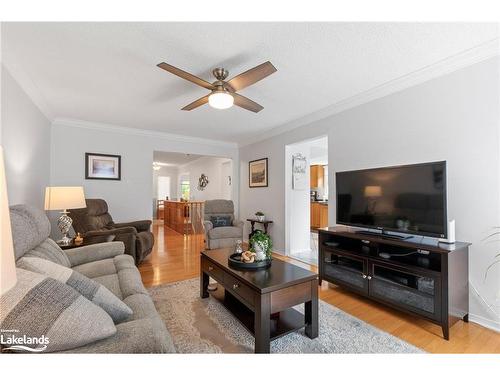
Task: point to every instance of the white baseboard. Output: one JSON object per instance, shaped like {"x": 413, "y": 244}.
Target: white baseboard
{"x": 488, "y": 323}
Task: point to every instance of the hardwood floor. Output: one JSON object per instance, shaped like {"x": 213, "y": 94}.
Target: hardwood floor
{"x": 176, "y": 257}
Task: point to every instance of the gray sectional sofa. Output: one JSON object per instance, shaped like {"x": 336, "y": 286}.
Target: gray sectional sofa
{"x": 106, "y": 263}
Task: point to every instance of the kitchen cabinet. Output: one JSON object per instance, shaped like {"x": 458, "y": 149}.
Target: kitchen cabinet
{"x": 319, "y": 215}
{"x": 317, "y": 176}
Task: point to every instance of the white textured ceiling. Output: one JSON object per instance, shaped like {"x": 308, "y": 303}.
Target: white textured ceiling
{"x": 106, "y": 72}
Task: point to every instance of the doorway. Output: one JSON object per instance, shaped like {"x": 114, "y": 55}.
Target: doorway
{"x": 189, "y": 178}
{"x": 306, "y": 197}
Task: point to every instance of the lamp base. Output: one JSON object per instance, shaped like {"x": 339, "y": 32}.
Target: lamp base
{"x": 64, "y": 241}
{"x": 64, "y": 225}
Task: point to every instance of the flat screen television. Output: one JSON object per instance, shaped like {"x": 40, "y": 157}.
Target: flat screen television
{"x": 405, "y": 199}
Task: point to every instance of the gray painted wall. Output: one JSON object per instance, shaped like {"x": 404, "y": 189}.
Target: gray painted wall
{"x": 25, "y": 137}
{"x": 130, "y": 198}
{"x": 454, "y": 118}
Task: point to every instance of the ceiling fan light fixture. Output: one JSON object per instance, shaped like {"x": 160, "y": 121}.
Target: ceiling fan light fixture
{"x": 220, "y": 100}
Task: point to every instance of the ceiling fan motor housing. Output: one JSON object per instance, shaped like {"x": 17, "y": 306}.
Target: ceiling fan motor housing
{"x": 220, "y": 73}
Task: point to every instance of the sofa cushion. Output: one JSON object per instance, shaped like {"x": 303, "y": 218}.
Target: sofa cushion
{"x": 124, "y": 261}
{"x": 112, "y": 283}
{"x": 94, "y": 252}
{"x": 142, "y": 306}
{"x": 131, "y": 282}
{"x": 88, "y": 288}
{"x": 225, "y": 232}
{"x": 30, "y": 227}
{"x": 221, "y": 221}
{"x": 49, "y": 250}
{"x": 98, "y": 268}
{"x": 41, "y": 307}
{"x": 118, "y": 274}
{"x": 147, "y": 335}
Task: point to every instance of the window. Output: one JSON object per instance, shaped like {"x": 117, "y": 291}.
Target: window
{"x": 185, "y": 188}
{"x": 163, "y": 187}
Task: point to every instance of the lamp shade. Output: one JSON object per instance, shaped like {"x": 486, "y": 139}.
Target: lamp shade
{"x": 373, "y": 191}
{"x": 64, "y": 197}
{"x": 7, "y": 261}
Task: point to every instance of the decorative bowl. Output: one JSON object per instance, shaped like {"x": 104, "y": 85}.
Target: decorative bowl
{"x": 235, "y": 261}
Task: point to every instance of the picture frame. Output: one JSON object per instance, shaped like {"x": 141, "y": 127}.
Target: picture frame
{"x": 299, "y": 172}
{"x": 102, "y": 166}
{"x": 258, "y": 173}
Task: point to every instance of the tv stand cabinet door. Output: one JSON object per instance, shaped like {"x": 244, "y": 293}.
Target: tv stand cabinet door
{"x": 406, "y": 289}
{"x": 345, "y": 270}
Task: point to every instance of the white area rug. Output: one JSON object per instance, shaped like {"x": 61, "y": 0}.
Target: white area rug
{"x": 205, "y": 326}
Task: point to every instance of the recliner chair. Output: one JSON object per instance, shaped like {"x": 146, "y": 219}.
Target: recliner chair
{"x": 95, "y": 221}
{"x": 225, "y": 236}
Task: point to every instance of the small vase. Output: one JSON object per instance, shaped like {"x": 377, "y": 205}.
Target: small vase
{"x": 260, "y": 251}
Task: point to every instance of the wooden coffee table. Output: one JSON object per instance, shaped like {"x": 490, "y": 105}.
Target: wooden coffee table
{"x": 263, "y": 300}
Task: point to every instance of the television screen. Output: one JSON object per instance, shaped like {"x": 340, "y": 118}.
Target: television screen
{"x": 407, "y": 199}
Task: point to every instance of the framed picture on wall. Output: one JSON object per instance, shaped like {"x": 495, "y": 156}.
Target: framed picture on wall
{"x": 102, "y": 167}
{"x": 299, "y": 172}
{"x": 257, "y": 173}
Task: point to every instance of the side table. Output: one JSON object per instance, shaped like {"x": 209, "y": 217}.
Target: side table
{"x": 265, "y": 223}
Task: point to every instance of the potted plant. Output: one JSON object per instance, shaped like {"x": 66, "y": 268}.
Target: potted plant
{"x": 260, "y": 216}
{"x": 262, "y": 245}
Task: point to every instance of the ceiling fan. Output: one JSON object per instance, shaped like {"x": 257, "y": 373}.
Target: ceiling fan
{"x": 223, "y": 93}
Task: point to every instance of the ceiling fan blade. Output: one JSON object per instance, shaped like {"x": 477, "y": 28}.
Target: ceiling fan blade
{"x": 188, "y": 76}
{"x": 244, "y": 102}
{"x": 197, "y": 103}
{"x": 251, "y": 76}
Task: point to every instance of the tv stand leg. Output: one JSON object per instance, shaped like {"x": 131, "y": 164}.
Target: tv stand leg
{"x": 446, "y": 331}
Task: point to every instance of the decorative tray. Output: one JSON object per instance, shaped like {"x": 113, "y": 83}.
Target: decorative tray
{"x": 235, "y": 261}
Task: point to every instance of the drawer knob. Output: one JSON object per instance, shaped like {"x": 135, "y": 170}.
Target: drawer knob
{"x": 369, "y": 277}
{"x": 235, "y": 286}
{"x": 210, "y": 268}
{"x": 364, "y": 276}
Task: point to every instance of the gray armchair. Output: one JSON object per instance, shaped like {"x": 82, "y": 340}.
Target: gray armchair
{"x": 224, "y": 236}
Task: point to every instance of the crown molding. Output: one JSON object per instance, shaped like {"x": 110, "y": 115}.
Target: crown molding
{"x": 28, "y": 86}
{"x": 140, "y": 132}
{"x": 448, "y": 65}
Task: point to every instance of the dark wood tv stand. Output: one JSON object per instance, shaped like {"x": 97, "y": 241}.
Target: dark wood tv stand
{"x": 422, "y": 276}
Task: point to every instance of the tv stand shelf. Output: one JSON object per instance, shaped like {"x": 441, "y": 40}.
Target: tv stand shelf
{"x": 425, "y": 278}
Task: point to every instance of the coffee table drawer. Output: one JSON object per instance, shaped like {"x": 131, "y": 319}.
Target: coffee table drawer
{"x": 212, "y": 270}
{"x": 236, "y": 286}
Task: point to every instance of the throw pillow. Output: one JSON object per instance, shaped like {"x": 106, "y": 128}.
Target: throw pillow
{"x": 41, "y": 314}
{"x": 221, "y": 221}
{"x": 88, "y": 288}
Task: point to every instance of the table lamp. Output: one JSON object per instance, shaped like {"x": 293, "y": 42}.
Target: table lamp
{"x": 64, "y": 198}
{"x": 372, "y": 193}
{"x": 7, "y": 260}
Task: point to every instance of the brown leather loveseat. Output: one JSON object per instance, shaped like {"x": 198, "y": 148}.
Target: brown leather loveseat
{"x": 95, "y": 221}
